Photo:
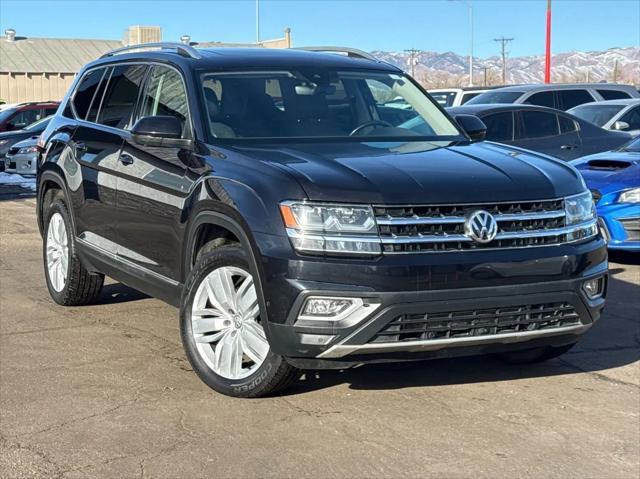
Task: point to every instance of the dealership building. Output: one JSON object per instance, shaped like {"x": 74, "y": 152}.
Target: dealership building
{"x": 38, "y": 69}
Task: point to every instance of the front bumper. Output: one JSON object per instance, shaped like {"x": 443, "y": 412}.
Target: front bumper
{"x": 22, "y": 164}
{"x": 424, "y": 284}
{"x": 621, "y": 223}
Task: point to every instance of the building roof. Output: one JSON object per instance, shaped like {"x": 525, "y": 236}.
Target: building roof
{"x": 51, "y": 55}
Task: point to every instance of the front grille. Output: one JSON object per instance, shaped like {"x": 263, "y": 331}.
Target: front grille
{"x": 12, "y": 165}
{"x": 477, "y": 322}
{"x": 631, "y": 228}
{"x": 411, "y": 229}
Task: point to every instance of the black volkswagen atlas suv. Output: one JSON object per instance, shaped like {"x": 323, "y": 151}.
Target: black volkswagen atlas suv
{"x": 310, "y": 209}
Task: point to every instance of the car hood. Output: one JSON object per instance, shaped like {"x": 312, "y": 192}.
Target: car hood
{"x": 420, "y": 172}
{"x": 12, "y": 137}
{"x": 610, "y": 171}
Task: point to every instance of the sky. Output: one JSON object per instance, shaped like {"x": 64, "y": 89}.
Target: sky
{"x": 391, "y": 25}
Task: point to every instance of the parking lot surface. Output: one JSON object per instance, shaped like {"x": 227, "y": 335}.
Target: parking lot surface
{"x": 106, "y": 391}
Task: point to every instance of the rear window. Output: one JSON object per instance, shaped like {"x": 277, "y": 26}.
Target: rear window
{"x": 496, "y": 96}
{"x": 538, "y": 124}
{"x": 499, "y": 126}
{"x": 85, "y": 92}
{"x": 444, "y": 98}
{"x": 613, "y": 94}
{"x": 468, "y": 96}
{"x": 571, "y": 98}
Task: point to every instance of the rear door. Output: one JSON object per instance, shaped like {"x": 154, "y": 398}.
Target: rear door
{"x": 105, "y": 101}
{"x": 540, "y": 131}
{"x": 567, "y": 99}
{"x": 153, "y": 183}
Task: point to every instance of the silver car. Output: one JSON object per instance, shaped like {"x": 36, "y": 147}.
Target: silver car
{"x": 22, "y": 158}
{"x": 623, "y": 115}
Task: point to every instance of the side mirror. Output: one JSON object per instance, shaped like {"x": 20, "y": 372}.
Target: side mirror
{"x": 157, "y": 131}
{"x": 472, "y": 126}
{"x": 621, "y": 125}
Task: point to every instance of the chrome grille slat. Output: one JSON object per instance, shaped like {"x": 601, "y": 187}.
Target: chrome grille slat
{"x": 430, "y": 228}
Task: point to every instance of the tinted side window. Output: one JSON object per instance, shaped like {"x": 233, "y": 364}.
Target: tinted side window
{"x": 538, "y": 124}
{"x": 85, "y": 92}
{"x": 613, "y": 94}
{"x": 50, "y": 111}
{"x": 571, "y": 98}
{"x": 121, "y": 95}
{"x": 499, "y": 126}
{"x": 165, "y": 95}
{"x": 567, "y": 125}
{"x": 544, "y": 98}
{"x": 468, "y": 96}
{"x": 25, "y": 118}
{"x": 633, "y": 118}
{"x": 92, "y": 115}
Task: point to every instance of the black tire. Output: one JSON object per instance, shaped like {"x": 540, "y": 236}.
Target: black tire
{"x": 534, "y": 355}
{"x": 273, "y": 375}
{"x": 81, "y": 286}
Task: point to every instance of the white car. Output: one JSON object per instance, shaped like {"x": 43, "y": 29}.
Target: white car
{"x": 447, "y": 97}
{"x": 621, "y": 115}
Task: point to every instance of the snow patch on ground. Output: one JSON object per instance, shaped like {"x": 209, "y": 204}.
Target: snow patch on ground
{"x": 18, "y": 180}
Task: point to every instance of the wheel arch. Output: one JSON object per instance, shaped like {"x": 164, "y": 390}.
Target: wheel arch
{"x": 227, "y": 221}
{"x": 46, "y": 181}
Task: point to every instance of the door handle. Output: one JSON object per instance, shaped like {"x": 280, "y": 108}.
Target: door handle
{"x": 126, "y": 159}
{"x": 569, "y": 147}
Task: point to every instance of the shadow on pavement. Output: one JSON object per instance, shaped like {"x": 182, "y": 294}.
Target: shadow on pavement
{"x": 119, "y": 293}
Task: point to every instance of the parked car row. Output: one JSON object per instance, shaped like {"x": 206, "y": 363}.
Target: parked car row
{"x": 17, "y": 153}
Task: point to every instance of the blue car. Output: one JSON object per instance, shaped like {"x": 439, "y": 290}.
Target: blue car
{"x": 614, "y": 179}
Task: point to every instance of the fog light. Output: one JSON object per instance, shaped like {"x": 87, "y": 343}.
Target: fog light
{"x": 317, "y": 339}
{"x": 593, "y": 288}
{"x": 334, "y": 311}
{"x": 328, "y": 307}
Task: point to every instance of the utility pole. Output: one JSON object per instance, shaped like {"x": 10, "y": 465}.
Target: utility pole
{"x": 412, "y": 59}
{"x": 504, "y": 42}
{"x": 485, "y": 76}
{"x": 615, "y": 71}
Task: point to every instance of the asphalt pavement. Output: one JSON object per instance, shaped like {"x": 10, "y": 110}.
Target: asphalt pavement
{"x": 106, "y": 391}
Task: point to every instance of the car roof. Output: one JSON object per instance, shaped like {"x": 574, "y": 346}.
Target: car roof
{"x": 563, "y": 86}
{"x": 234, "y": 58}
{"x": 466, "y": 88}
{"x": 622, "y": 101}
{"x": 485, "y": 108}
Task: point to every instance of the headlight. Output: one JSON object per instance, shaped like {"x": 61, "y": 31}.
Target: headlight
{"x": 28, "y": 149}
{"x": 3, "y": 142}
{"x": 331, "y": 228}
{"x": 629, "y": 196}
{"x": 579, "y": 208}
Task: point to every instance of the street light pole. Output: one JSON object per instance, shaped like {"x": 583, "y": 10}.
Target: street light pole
{"x": 257, "y": 22}
{"x": 469, "y": 4}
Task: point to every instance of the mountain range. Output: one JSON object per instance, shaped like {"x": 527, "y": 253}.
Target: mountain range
{"x": 448, "y": 69}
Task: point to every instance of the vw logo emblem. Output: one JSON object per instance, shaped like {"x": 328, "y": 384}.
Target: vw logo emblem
{"x": 481, "y": 227}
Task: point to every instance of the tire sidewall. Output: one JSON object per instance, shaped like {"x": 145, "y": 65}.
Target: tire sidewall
{"x": 245, "y": 387}
{"x": 58, "y": 206}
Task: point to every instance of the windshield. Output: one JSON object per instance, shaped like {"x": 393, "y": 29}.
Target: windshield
{"x": 634, "y": 146}
{"x": 445, "y": 98}
{"x": 321, "y": 103}
{"x": 596, "y": 114}
{"x": 496, "y": 96}
{"x": 39, "y": 125}
{"x": 6, "y": 113}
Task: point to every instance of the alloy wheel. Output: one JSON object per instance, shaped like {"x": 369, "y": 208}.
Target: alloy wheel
{"x": 225, "y": 323}
{"x": 57, "y": 252}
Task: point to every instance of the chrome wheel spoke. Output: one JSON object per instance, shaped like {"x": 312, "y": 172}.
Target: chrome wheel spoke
{"x": 254, "y": 343}
{"x": 247, "y": 297}
{"x": 209, "y": 321}
{"x": 222, "y": 292}
{"x": 57, "y": 252}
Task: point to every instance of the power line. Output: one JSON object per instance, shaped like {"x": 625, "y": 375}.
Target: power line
{"x": 412, "y": 59}
{"x": 504, "y": 42}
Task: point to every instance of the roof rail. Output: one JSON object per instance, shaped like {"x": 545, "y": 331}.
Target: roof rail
{"x": 181, "y": 49}
{"x": 351, "y": 52}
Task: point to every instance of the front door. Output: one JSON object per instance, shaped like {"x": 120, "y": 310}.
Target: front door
{"x": 154, "y": 182}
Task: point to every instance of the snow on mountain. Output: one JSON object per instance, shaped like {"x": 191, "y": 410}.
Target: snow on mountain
{"x": 448, "y": 69}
